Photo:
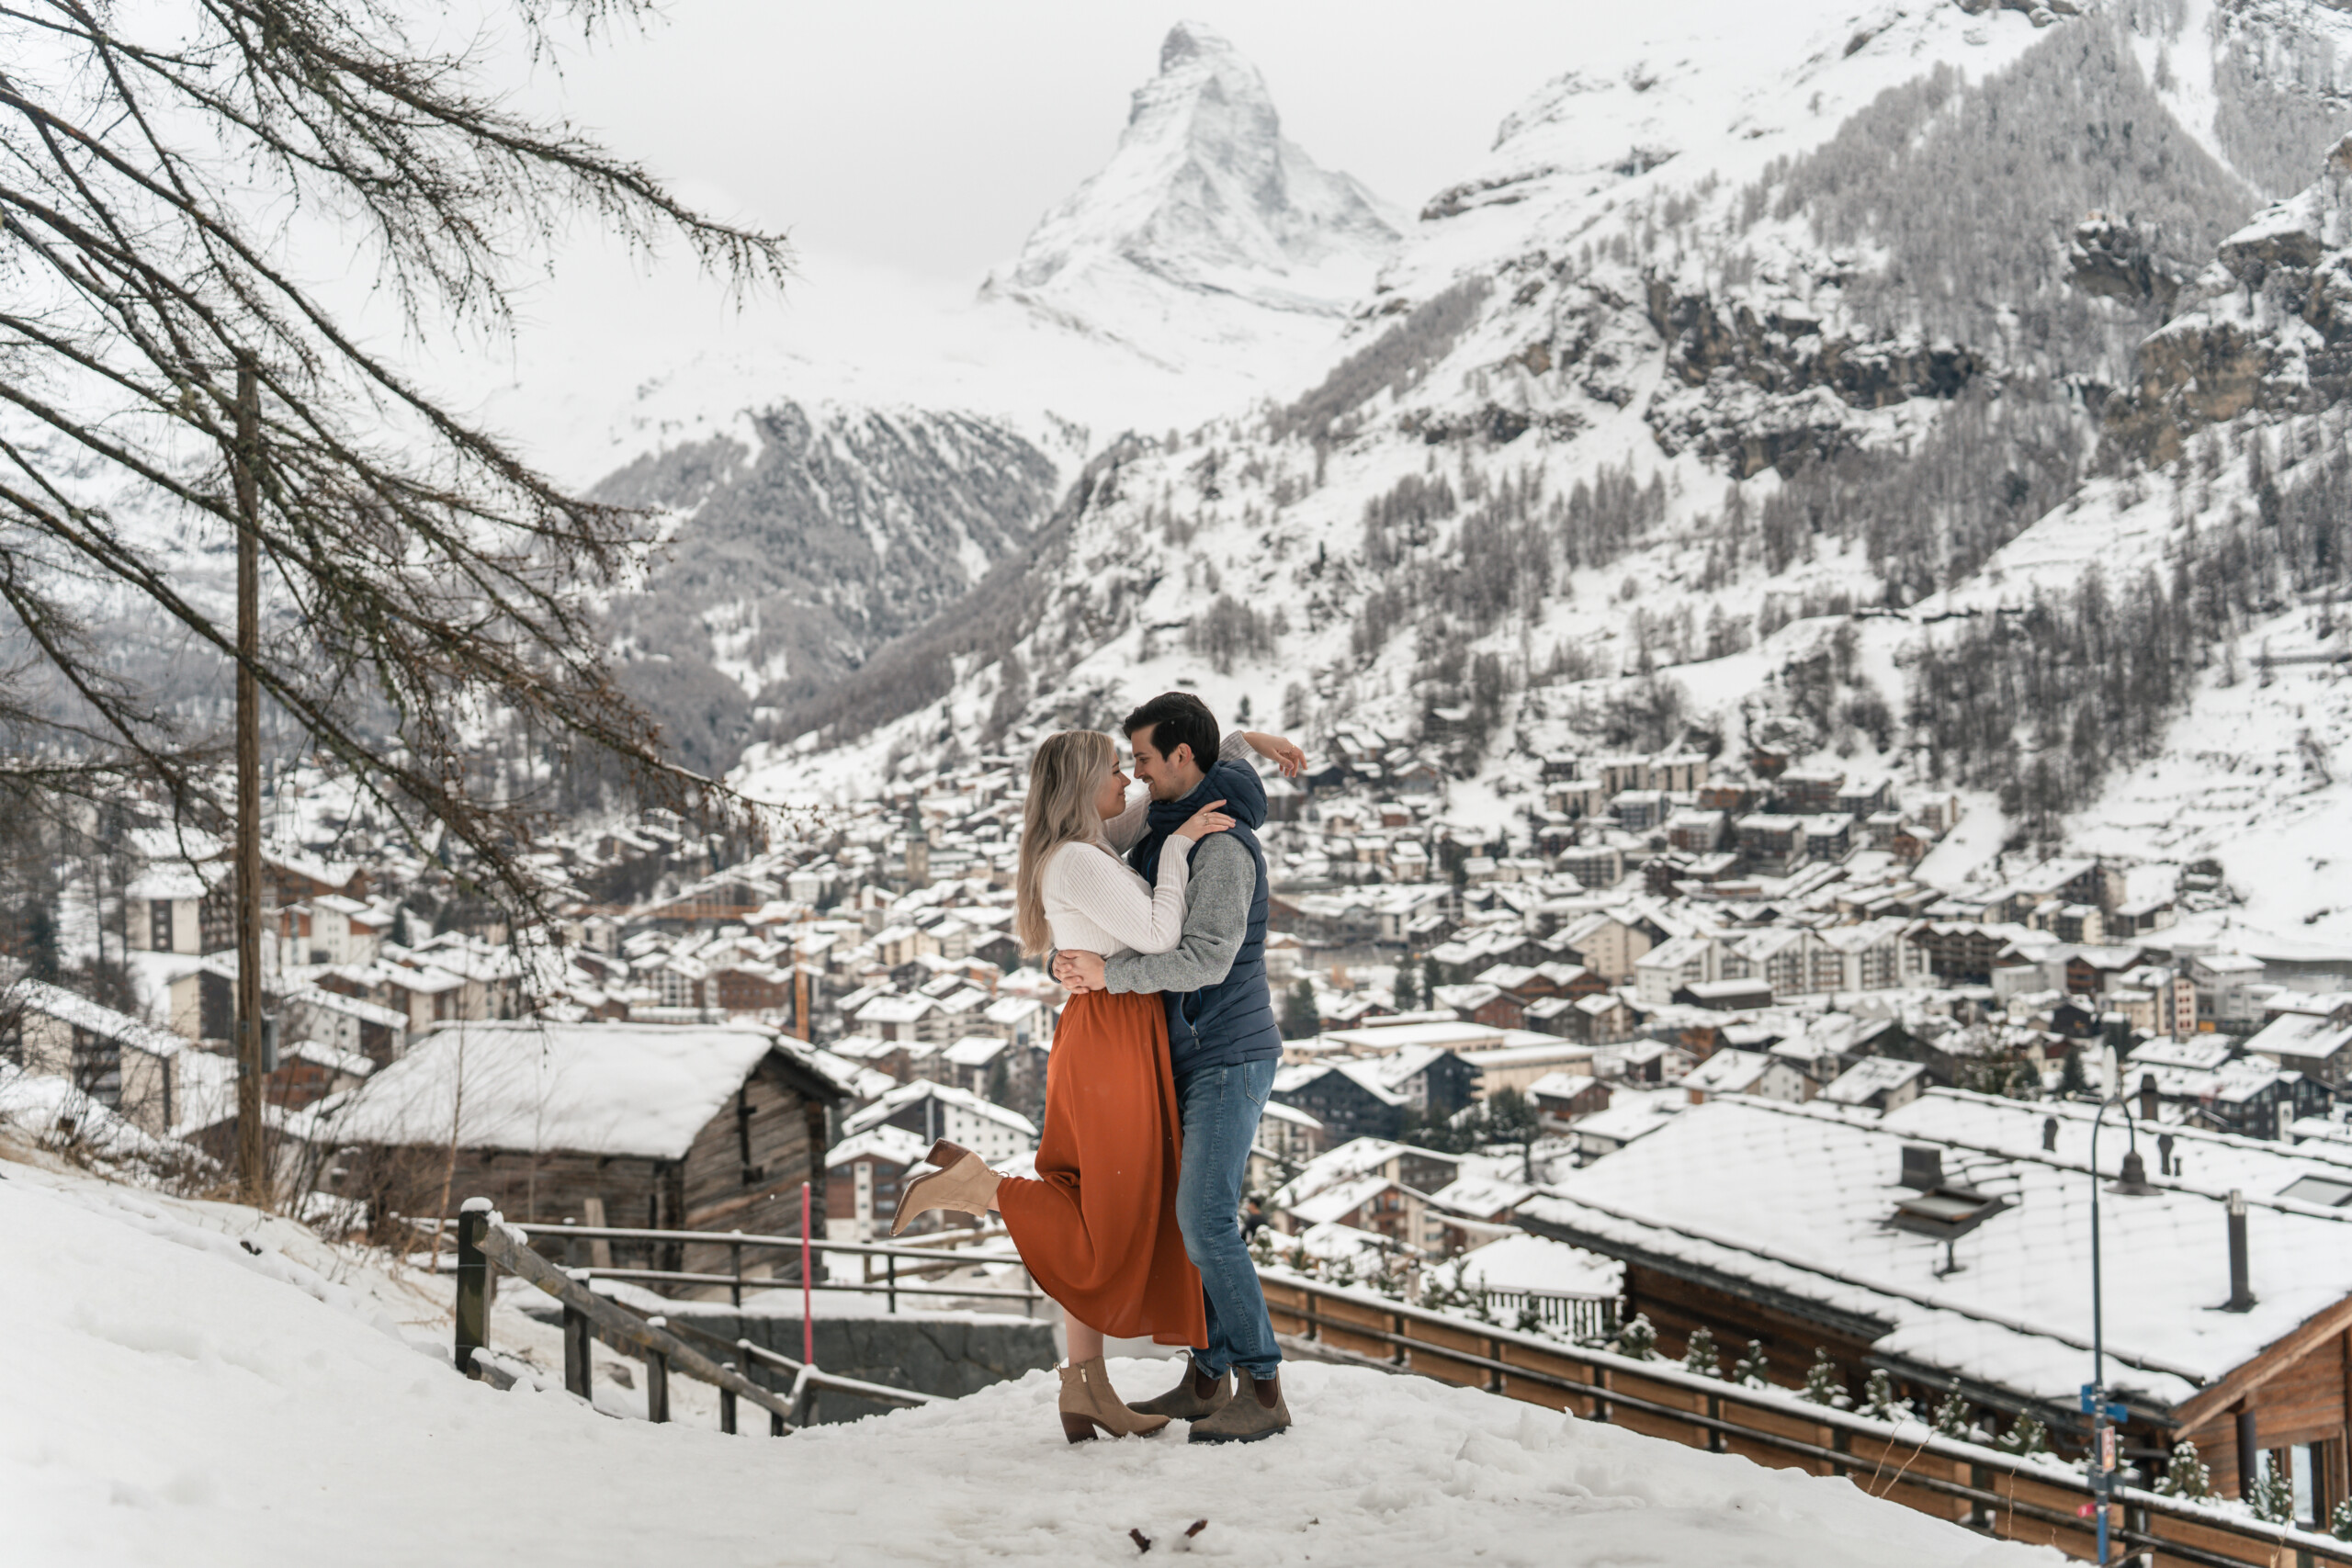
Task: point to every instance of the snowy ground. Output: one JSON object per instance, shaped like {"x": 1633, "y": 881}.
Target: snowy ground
{"x": 177, "y": 1396}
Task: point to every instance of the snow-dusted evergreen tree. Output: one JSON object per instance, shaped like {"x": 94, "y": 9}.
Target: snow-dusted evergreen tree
{"x": 2025, "y": 1437}
{"x": 1951, "y": 1415}
{"x": 1700, "y": 1356}
{"x": 1638, "y": 1340}
{"x": 2339, "y": 1524}
{"x": 2185, "y": 1474}
{"x": 2273, "y": 1499}
{"x": 1878, "y": 1398}
{"x": 1823, "y": 1385}
{"x": 1752, "y": 1370}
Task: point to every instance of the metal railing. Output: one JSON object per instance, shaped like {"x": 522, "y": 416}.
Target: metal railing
{"x": 2002, "y": 1494}
{"x": 739, "y": 1242}
{"x": 487, "y": 1242}
{"x": 1580, "y": 1317}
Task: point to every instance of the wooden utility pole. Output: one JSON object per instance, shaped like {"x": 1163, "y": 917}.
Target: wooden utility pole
{"x": 253, "y": 1169}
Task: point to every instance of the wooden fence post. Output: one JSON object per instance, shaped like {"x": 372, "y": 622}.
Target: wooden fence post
{"x": 727, "y": 1405}
{"x": 473, "y": 1284}
{"x": 577, "y": 1338}
{"x": 657, "y": 1386}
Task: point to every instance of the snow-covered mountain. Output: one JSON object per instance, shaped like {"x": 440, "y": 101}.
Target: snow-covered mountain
{"x": 820, "y": 504}
{"x": 1208, "y": 232}
{"x": 1748, "y": 372}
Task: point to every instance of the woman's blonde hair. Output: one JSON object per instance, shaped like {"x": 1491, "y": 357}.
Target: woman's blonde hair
{"x": 1064, "y": 778}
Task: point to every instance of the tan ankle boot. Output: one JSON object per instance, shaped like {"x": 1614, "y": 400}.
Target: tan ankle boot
{"x": 1089, "y": 1402}
{"x": 964, "y": 1183}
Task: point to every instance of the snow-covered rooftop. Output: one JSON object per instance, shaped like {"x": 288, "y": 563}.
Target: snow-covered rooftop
{"x": 1797, "y": 1199}
{"x": 610, "y": 1088}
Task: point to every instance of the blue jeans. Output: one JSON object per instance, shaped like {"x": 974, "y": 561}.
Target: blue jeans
{"x": 1221, "y": 1107}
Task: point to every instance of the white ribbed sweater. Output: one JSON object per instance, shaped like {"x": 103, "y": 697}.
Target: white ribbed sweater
{"x": 1096, "y": 903}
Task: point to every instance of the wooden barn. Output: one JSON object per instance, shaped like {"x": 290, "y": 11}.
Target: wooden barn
{"x": 707, "y": 1127}
{"x": 1948, "y": 1244}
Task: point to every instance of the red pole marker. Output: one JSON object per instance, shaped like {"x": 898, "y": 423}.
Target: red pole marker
{"x": 808, "y": 1319}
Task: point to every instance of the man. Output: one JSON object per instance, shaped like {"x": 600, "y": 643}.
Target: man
{"x": 1225, "y": 1046}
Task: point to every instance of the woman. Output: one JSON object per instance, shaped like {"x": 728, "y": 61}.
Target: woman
{"x": 1097, "y": 1227}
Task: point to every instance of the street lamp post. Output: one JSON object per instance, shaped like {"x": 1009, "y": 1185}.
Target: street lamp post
{"x": 2094, "y": 1402}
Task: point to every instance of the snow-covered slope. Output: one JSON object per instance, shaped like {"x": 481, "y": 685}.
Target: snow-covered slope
{"x": 173, "y": 1397}
{"x": 1749, "y": 354}
{"x": 1207, "y": 234}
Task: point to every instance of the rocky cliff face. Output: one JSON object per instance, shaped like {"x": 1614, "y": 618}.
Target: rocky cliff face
{"x": 1206, "y": 210}
{"x": 2267, "y": 327}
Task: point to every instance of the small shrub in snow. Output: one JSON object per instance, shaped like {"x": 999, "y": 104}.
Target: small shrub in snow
{"x": 2340, "y": 1524}
{"x": 2185, "y": 1474}
{"x": 2273, "y": 1499}
{"x": 1752, "y": 1370}
{"x": 1951, "y": 1415}
{"x": 1700, "y": 1356}
{"x": 1822, "y": 1383}
{"x": 1878, "y": 1398}
{"x": 1638, "y": 1340}
{"x": 2025, "y": 1438}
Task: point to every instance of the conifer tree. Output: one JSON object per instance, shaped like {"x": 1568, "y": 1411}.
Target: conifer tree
{"x": 1700, "y": 1356}
{"x": 2339, "y": 1525}
{"x": 2025, "y": 1437}
{"x": 1878, "y": 1398}
{"x": 2185, "y": 1474}
{"x": 1951, "y": 1415}
{"x": 1822, "y": 1383}
{"x": 1638, "y": 1340}
{"x": 1753, "y": 1369}
{"x": 2274, "y": 1496}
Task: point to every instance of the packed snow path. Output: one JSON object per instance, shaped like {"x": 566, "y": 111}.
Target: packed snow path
{"x": 172, "y": 1397}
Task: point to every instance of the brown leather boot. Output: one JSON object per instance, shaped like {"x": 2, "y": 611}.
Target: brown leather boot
{"x": 1196, "y": 1395}
{"x": 964, "y": 1183}
{"x": 1256, "y": 1410}
{"x": 1089, "y": 1402}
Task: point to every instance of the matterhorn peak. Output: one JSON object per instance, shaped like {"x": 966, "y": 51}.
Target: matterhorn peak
{"x": 1204, "y": 219}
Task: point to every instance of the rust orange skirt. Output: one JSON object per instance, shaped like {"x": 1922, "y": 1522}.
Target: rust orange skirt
{"x": 1097, "y": 1228}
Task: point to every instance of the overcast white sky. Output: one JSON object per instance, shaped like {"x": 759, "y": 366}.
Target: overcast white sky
{"x": 929, "y": 135}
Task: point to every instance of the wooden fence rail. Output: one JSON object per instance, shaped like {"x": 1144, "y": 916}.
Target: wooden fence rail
{"x": 2002, "y": 1494}
{"x": 486, "y": 1241}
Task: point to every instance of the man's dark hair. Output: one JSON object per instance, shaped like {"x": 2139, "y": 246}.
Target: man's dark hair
{"x": 1173, "y": 719}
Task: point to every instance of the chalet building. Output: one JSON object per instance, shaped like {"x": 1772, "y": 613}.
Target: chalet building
{"x": 1757, "y": 1073}
{"x": 1362, "y": 1180}
{"x": 1434, "y": 1082}
{"x": 1607, "y": 944}
{"x": 1346, "y": 1096}
{"x": 933, "y": 1110}
{"x": 1562, "y": 1098}
{"x": 347, "y": 1023}
{"x": 1521, "y": 1068}
{"x": 131, "y": 1067}
{"x": 1602, "y": 1020}
{"x": 1877, "y": 1083}
{"x": 864, "y": 1176}
{"x": 2309, "y": 1035}
{"x": 1809, "y": 793}
{"x": 669, "y": 1127}
{"x": 2225, "y": 983}
{"x": 1488, "y": 1004}
{"x": 1948, "y": 1244}
{"x": 170, "y": 907}
{"x": 1772, "y": 844}
{"x": 1961, "y": 952}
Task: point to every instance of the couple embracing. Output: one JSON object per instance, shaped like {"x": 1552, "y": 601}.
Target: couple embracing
{"x": 1161, "y": 1067}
